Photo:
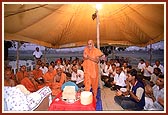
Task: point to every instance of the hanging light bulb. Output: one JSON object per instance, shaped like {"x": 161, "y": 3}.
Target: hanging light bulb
{"x": 98, "y": 6}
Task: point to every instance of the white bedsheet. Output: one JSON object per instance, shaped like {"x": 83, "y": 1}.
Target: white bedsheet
{"x": 16, "y": 100}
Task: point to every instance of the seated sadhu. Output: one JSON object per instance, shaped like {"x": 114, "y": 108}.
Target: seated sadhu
{"x": 8, "y": 67}
{"x": 38, "y": 74}
{"x": 49, "y": 76}
{"x": 30, "y": 83}
{"x": 7, "y": 78}
{"x": 58, "y": 80}
{"x": 21, "y": 74}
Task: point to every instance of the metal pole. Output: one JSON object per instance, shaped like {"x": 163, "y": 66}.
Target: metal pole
{"x": 98, "y": 45}
{"x": 98, "y": 30}
{"x": 45, "y": 50}
{"x": 17, "y": 56}
{"x": 150, "y": 54}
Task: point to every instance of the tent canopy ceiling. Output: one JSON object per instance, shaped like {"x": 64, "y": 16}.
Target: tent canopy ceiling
{"x": 71, "y": 25}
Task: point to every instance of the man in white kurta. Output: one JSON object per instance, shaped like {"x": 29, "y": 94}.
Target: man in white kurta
{"x": 119, "y": 78}
{"x": 77, "y": 76}
{"x": 37, "y": 53}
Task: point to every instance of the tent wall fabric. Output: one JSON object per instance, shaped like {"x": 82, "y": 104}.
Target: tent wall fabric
{"x": 71, "y": 25}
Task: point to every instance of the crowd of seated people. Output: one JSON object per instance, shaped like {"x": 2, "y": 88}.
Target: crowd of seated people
{"x": 52, "y": 74}
{"x": 154, "y": 97}
{"x": 114, "y": 75}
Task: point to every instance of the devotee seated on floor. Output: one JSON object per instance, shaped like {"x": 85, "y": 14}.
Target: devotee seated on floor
{"x": 49, "y": 76}
{"x": 108, "y": 78}
{"x": 29, "y": 82}
{"x": 158, "y": 65}
{"x": 38, "y": 74}
{"x": 141, "y": 64}
{"x": 133, "y": 98}
{"x": 147, "y": 71}
{"x": 77, "y": 76}
{"x": 9, "y": 67}
{"x": 58, "y": 80}
{"x": 67, "y": 66}
{"x": 43, "y": 68}
{"x": 21, "y": 74}
{"x": 7, "y": 78}
{"x": 155, "y": 98}
{"x": 154, "y": 76}
{"x": 119, "y": 79}
{"x": 148, "y": 99}
{"x": 124, "y": 67}
{"x": 107, "y": 69}
{"x": 58, "y": 64}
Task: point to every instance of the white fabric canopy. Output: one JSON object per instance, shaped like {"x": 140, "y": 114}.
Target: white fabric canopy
{"x": 71, "y": 25}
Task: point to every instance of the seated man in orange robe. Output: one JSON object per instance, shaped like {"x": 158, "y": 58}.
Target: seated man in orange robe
{"x": 8, "y": 67}
{"x": 91, "y": 71}
{"x": 7, "y": 78}
{"x": 21, "y": 74}
{"x": 59, "y": 79}
{"x": 49, "y": 76}
{"x": 29, "y": 82}
{"x": 38, "y": 74}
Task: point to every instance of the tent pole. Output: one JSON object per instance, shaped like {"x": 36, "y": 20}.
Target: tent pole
{"x": 150, "y": 54}
{"x": 17, "y": 57}
{"x": 98, "y": 30}
{"x": 45, "y": 50}
{"x": 98, "y": 46}
{"x": 113, "y": 56}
